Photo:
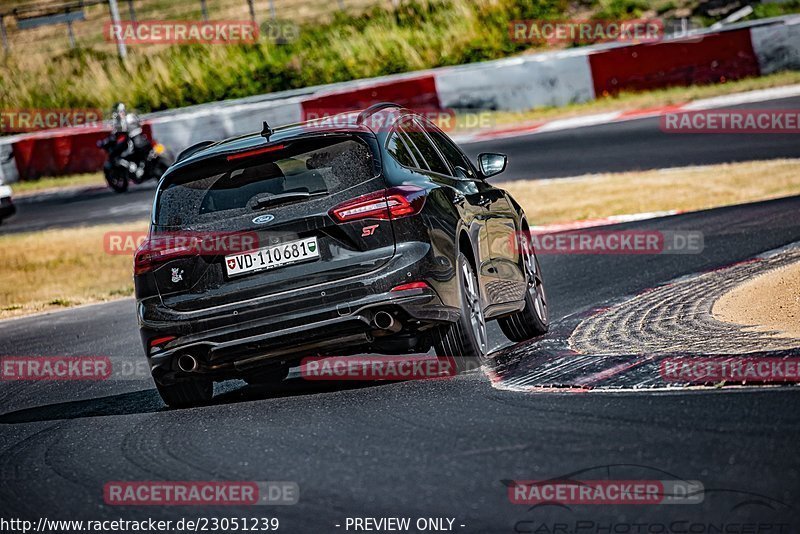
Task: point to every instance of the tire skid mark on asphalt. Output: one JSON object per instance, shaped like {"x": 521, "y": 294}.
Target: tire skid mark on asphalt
{"x": 621, "y": 345}
{"x": 681, "y": 319}
{"x": 21, "y": 464}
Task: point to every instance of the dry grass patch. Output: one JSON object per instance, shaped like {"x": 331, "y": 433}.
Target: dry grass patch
{"x": 684, "y": 188}
{"x": 47, "y": 183}
{"x": 59, "y": 268}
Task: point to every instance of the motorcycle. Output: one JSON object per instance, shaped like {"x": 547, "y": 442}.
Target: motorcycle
{"x": 133, "y": 159}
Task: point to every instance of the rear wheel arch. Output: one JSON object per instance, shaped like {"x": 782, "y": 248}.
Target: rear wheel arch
{"x": 465, "y": 247}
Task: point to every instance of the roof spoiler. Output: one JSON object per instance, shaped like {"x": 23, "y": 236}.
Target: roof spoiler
{"x": 193, "y": 149}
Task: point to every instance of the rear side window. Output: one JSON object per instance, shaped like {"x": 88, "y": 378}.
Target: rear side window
{"x": 319, "y": 166}
{"x": 417, "y": 136}
{"x": 399, "y": 151}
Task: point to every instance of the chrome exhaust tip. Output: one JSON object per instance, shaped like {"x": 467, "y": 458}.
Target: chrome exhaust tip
{"x": 383, "y": 320}
{"x": 187, "y": 363}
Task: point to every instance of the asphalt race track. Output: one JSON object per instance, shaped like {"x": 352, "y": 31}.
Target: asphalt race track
{"x": 443, "y": 448}
{"x": 624, "y": 146}
{"x": 439, "y": 448}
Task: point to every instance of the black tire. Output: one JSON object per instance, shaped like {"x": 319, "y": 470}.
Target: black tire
{"x": 466, "y": 340}
{"x": 534, "y": 319}
{"x": 186, "y": 393}
{"x": 117, "y": 178}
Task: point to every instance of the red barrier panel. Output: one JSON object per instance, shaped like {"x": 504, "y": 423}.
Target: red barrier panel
{"x": 701, "y": 60}
{"x": 414, "y": 93}
{"x": 64, "y": 151}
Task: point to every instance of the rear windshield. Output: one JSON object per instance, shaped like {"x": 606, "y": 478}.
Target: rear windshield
{"x": 318, "y": 166}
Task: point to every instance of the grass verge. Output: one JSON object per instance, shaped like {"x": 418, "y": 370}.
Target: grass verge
{"x": 54, "y": 269}
{"x": 29, "y": 187}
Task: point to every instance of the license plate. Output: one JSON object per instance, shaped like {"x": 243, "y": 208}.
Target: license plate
{"x": 272, "y": 257}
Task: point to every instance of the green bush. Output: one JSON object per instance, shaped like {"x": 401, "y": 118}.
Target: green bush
{"x": 417, "y": 35}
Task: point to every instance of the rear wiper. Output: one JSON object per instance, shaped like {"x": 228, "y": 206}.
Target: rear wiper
{"x": 271, "y": 200}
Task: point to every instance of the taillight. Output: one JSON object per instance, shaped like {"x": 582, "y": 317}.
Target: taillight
{"x": 157, "y": 342}
{"x": 154, "y": 251}
{"x": 411, "y": 285}
{"x": 392, "y": 203}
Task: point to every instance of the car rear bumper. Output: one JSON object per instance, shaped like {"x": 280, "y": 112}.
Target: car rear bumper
{"x": 235, "y": 350}
{"x": 331, "y": 318}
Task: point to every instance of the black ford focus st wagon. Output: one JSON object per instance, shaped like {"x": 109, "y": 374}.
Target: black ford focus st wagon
{"x": 369, "y": 233}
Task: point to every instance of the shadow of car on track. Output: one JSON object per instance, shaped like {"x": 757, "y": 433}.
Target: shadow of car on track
{"x": 148, "y": 401}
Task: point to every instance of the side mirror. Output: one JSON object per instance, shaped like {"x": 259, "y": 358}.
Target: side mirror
{"x": 491, "y": 164}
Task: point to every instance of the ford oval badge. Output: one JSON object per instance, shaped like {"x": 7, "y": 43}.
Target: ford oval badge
{"x": 263, "y": 219}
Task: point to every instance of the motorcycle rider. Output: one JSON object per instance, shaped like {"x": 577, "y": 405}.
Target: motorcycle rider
{"x": 132, "y": 157}
{"x": 132, "y": 145}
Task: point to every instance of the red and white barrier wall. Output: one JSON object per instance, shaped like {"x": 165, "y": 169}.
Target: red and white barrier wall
{"x": 512, "y": 84}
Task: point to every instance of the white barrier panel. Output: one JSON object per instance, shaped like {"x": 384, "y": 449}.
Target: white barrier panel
{"x": 517, "y": 84}
{"x": 180, "y": 131}
{"x": 777, "y": 47}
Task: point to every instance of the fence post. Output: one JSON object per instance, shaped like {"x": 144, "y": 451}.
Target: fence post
{"x": 71, "y": 35}
{"x": 114, "y": 9}
{"x": 204, "y": 9}
{"x": 252, "y": 9}
{"x": 131, "y": 11}
{"x": 272, "y": 9}
{"x": 3, "y": 34}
